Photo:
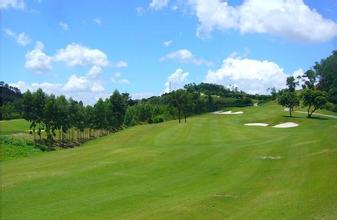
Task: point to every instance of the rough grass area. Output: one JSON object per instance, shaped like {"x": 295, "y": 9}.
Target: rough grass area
{"x": 14, "y": 126}
{"x": 213, "y": 167}
{"x": 13, "y": 148}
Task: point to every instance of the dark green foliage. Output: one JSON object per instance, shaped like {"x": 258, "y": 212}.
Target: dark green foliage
{"x": 310, "y": 79}
{"x": 327, "y": 71}
{"x": 9, "y": 111}
{"x": 10, "y": 102}
{"x": 158, "y": 119}
{"x": 314, "y": 99}
{"x": 291, "y": 83}
{"x": 145, "y": 112}
{"x": 290, "y": 100}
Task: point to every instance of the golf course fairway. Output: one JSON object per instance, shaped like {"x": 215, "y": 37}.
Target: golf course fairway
{"x": 212, "y": 167}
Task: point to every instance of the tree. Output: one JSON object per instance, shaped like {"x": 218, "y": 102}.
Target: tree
{"x": 310, "y": 79}
{"x": 327, "y": 72}
{"x": 62, "y": 116}
{"x": 50, "y": 119}
{"x": 314, "y": 99}
{"x": 38, "y": 103}
{"x": 118, "y": 105}
{"x": 181, "y": 100}
{"x": 290, "y": 100}
{"x": 291, "y": 83}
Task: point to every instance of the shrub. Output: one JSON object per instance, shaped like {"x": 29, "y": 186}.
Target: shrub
{"x": 158, "y": 119}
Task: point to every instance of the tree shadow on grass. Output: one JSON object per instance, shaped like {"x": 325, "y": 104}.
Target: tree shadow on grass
{"x": 287, "y": 116}
{"x": 312, "y": 117}
{"x": 318, "y": 118}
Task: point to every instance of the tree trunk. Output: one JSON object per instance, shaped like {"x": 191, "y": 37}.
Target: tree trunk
{"x": 290, "y": 110}
{"x": 309, "y": 115}
{"x": 179, "y": 115}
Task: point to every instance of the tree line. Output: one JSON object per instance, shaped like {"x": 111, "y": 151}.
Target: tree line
{"x": 58, "y": 121}
{"x": 319, "y": 88}
{"x": 70, "y": 120}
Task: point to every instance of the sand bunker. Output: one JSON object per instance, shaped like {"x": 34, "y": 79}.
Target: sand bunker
{"x": 286, "y": 125}
{"x": 227, "y": 113}
{"x": 257, "y": 124}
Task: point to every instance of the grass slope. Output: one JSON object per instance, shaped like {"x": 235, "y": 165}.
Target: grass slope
{"x": 13, "y": 126}
{"x": 210, "y": 168}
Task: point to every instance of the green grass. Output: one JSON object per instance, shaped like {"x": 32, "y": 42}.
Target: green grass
{"x": 209, "y": 168}
{"x": 13, "y": 126}
{"x": 13, "y": 148}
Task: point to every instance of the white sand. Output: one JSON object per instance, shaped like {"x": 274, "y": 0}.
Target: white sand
{"x": 286, "y": 125}
{"x": 257, "y": 124}
{"x": 227, "y": 113}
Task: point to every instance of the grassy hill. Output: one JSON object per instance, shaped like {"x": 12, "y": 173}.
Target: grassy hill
{"x": 14, "y": 126}
{"x": 212, "y": 167}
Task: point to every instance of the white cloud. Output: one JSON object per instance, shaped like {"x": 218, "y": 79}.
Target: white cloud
{"x": 176, "y": 80}
{"x": 185, "y": 56}
{"x": 16, "y": 4}
{"x": 64, "y": 26}
{"x": 158, "y": 4}
{"x": 121, "y": 64}
{"x": 37, "y": 61}
{"x": 98, "y": 21}
{"x": 117, "y": 78}
{"x": 45, "y": 86}
{"x": 21, "y": 38}
{"x": 94, "y": 71}
{"x": 167, "y": 43}
{"x": 88, "y": 92}
{"x": 292, "y": 19}
{"x": 252, "y": 76}
{"x": 82, "y": 83}
{"x": 78, "y": 55}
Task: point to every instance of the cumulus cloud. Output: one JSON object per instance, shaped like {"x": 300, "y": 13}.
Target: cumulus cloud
{"x": 49, "y": 88}
{"x": 82, "y": 83}
{"x": 72, "y": 55}
{"x": 21, "y": 38}
{"x": 167, "y": 43}
{"x": 37, "y": 61}
{"x": 64, "y": 26}
{"x": 292, "y": 19}
{"x": 176, "y": 80}
{"x": 185, "y": 56}
{"x": 94, "y": 71}
{"x": 117, "y": 78}
{"x": 16, "y": 4}
{"x": 88, "y": 92}
{"x": 78, "y": 55}
{"x": 121, "y": 64}
{"x": 158, "y": 4}
{"x": 252, "y": 76}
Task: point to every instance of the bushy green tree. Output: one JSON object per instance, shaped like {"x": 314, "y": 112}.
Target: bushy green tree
{"x": 290, "y": 100}
{"x": 313, "y": 100}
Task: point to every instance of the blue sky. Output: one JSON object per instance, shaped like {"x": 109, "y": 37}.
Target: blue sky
{"x": 86, "y": 49}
